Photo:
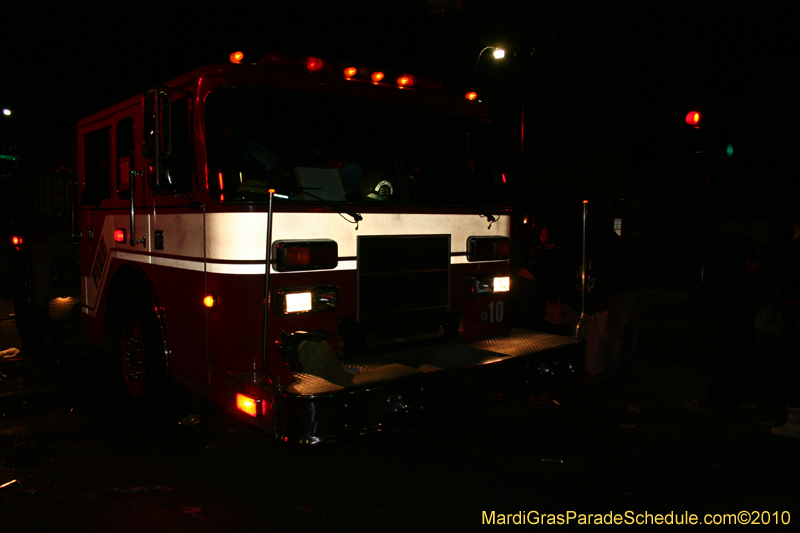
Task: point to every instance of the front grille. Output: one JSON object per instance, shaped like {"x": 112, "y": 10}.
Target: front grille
{"x": 403, "y": 287}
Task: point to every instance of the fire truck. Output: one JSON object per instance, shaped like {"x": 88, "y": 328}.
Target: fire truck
{"x": 321, "y": 247}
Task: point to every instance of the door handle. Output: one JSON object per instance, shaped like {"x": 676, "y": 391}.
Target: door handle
{"x": 143, "y": 240}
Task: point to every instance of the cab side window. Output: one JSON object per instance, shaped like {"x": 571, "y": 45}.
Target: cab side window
{"x": 97, "y": 170}
{"x": 176, "y": 175}
{"x": 125, "y": 162}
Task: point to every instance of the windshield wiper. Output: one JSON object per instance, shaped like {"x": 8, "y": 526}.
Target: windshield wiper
{"x": 356, "y": 217}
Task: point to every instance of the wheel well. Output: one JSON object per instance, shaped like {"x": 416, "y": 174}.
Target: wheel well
{"x": 128, "y": 279}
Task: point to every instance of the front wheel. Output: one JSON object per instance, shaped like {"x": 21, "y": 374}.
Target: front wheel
{"x": 138, "y": 352}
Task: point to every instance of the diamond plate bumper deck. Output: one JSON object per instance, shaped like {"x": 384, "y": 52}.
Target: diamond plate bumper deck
{"x": 312, "y": 410}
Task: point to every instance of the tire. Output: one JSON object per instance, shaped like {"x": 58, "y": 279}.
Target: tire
{"x": 138, "y": 351}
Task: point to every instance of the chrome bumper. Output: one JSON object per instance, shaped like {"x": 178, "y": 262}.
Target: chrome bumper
{"x": 314, "y": 411}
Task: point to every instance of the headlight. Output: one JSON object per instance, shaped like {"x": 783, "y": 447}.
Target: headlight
{"x": 292, "y": 301}
{"x": 487, "y": 284}
{"x": 501, "y": 284}
{"x": 298, "y": 302}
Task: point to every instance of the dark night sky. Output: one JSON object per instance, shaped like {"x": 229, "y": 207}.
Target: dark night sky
{"x": 593, "y": 63}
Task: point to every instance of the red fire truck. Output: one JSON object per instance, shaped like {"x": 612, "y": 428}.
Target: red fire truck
{"x": 321, "y": 247}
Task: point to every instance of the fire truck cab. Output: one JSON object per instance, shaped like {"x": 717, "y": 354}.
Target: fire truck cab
{"x": 323, "y": 248}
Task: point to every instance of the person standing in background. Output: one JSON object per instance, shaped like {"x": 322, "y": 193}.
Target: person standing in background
{"x": 733, "y": 280}
{"x": 789, "y": 305}
{"x": 620, "y": 277}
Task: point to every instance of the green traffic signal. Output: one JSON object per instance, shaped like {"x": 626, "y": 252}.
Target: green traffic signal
{"x": 725, "y": 154}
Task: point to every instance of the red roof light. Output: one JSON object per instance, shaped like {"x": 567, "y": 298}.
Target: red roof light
{"x": 313, "y": 64}
{"x": 348, "y": 71}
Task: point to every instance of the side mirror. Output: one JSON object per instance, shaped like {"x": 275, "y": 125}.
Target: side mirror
{"x": 157, "y": 137}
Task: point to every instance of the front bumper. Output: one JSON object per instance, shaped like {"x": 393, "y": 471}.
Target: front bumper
{"x": 314, "y": 411}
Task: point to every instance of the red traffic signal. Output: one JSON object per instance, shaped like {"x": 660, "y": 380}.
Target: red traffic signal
{"x": 693, "y": 118}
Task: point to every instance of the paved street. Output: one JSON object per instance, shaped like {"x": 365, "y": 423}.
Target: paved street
{"x": 656, "y": 446}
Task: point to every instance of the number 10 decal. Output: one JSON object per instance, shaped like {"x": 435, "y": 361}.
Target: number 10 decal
{"x": 496, "y": 311}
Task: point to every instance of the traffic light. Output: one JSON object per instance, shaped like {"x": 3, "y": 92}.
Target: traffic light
{"x": 728, "y": 151}
{"x": 722, "y": 150}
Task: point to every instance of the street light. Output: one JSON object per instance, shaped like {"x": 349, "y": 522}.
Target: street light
{"x": 498, "y": 53}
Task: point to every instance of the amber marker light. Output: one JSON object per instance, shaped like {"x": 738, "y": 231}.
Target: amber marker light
{"x": 236, "y": 57}
{"x": 209, "y": 301}
{"x": 405, "y": 81}
{"x": 377, "y": 77}
{"x": 472, "y": 95}
{"x": 349, "y": 72}
{"x": 246, "y": 405}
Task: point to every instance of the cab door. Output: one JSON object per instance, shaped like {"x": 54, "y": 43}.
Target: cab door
{"x": 174, "y": 229}
{"x": 95, "y": 168}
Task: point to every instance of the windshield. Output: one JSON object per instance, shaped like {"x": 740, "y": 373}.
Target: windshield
{"x": 320, "y": 148}
{"x": 451, "y": 160}
{"x": 310, "y": 147}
